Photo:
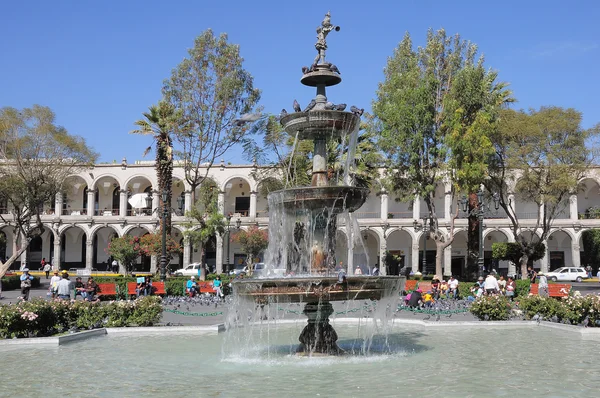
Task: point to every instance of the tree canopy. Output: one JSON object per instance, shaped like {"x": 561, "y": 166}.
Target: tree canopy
{"x": 36, "y": 157}
{"x": 539, "y": 157}
{"x": 432, "y": 115}
{"x": 212, "y": 90}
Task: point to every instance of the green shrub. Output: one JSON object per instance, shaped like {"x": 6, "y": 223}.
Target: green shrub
{"x": 491, "y": 308}
{"x": 38, "y": 318}
{"x": 572, "y": 309}
{"x": 13, "y": 282}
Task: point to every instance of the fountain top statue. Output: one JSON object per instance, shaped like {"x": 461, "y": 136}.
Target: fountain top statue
{"x": 322, "y": 32}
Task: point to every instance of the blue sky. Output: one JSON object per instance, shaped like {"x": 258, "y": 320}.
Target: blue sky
{"x": 100, "y": 64}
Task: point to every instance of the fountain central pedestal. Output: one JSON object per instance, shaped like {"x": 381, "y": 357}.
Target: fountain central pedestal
{"x": 318, "y": 337}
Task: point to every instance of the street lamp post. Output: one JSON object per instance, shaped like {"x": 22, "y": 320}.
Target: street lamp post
{"x": 480, "y": 212}
{"x": 238, "y": 224}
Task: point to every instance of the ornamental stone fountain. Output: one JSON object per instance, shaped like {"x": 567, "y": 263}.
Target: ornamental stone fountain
{"x": 303, "y": 220}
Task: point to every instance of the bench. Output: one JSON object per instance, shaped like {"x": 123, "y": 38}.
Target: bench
{"x": 106, "y": 289}
{"x": 157, "y": 288}
{"x": 203, "y": 287}
{"x": 554, "y": 289}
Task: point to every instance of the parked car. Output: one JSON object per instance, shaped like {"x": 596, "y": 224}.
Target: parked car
{"x": 192, "y": 269}
{"x": 572, "y": 274}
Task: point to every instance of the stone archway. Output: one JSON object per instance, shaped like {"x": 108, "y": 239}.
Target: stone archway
{"x": 400, "y": 245}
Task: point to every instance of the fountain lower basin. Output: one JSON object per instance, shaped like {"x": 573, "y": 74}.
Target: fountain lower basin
{"x": 335, "y": 199}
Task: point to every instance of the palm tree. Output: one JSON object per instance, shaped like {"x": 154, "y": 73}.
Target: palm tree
{"x": 160, "y": 122}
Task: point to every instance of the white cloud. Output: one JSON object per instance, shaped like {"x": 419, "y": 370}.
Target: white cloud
{"x": 563, "y": 48}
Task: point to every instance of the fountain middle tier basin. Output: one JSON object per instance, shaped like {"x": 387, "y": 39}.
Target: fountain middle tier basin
{"x": 315, "y": 289}
{"x": 320, "y": 123}
{"x": 334, "y": 199}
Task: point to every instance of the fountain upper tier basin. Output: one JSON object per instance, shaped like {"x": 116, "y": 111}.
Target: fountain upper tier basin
{"x": 313, "y": 289}
{"x": 320, "y": 123}
{"x": 334, "y": 199}
{"x": 322, "y": 76}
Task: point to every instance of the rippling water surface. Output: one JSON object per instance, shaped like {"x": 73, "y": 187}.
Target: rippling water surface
{"x": 449, "y": 362}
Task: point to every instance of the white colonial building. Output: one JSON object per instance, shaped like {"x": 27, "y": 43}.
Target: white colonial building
{"x": 81, "y": 223}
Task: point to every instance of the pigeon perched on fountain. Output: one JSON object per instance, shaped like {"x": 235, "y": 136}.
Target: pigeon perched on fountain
{"x": 586, "y": 321}
{"x": 305, "y": 69}
{"x": 310, "y": 105}
{"x": 427, "y": 317}
{"x": 356, "y": 111}
{"x": 340, "y": 107}
{"x": 313, "y": 68}
{"x": 297, "y": 107}
{"x": 329, "y": 106}
{"x": 283, "y": 113}
{"x": 335, "y": 69}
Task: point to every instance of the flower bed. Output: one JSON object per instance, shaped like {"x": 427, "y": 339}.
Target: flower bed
{"x": 39, "y": 318}
{"x": 571, "y": 310}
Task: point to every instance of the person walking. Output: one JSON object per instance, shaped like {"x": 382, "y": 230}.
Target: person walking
{"x": 543, "y": 285}
{"x": 115, "y": 266}
{"x": 47, "y": 269}
{"x": 54, "y": 284}
{"x": 42, "y": 263}
{"x": 25, "y": 284}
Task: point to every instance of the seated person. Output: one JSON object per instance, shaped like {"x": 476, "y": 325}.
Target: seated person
{"x": 140, "y": 288}
{"x": 190, "y": 287}
{"x": 148, "y": 291}
{"x": 92, "y": 289}
{"x": 218, "y": 286}
{"x": 80, "y": 289}
{"x": 444, "y": 288}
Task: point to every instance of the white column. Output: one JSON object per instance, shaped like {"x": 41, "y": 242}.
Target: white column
{"x": 58, "y": 201}
{"x": 544, "y": 260}
{"x": 221, "y": 202}
{"x": 89, "y": 254}
{"x": 575, "y": 254}
{"x": 382, "y": 250}
{"x": 252, "y": 205}
{"x": 219, "y": 259}
{"x": 414, "y": 257}
{"x": 188, "y": 201}
{"x": 154, "y": 264}
{"x": 542, "y": 212}
{"x": 417, "y": 208}
{"x": 448, "y": 261}
{"x": 155, "y": 204}
{"x": 56, "y": 259}
{"x": 447, "y": 205}
{"x": 384, "y": 206}
{"x": 187, "y": 251}
{"x": 574, "y": 215}
{"x": 123, "y": 204}
{"x": 350, "y": 270}
{"x": 23, "y": 256}
{"x": 91, "y": 197}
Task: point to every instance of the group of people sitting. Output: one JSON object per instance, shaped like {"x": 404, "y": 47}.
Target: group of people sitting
{"x": 439, "y": 289}
{"x": 61, "y": 287}
{"x": 192, "y": 287}
{"x": 492, "y": 286}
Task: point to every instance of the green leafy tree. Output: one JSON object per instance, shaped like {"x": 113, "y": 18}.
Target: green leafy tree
{"x": 36, "y": 158}
{"x": 151, "y": 245}
{"x": 213, "y": 91}
{"x": 427, "y": 99}
{"x": 511, "y": 251}
{"x": 161, "y": 122}
{"x": 125, "y": 250}
{"x": 253, "y": 242}
{"x": 539, "y": 156}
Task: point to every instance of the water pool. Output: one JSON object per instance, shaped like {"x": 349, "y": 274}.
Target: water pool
{"x": 415, "y": 361}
